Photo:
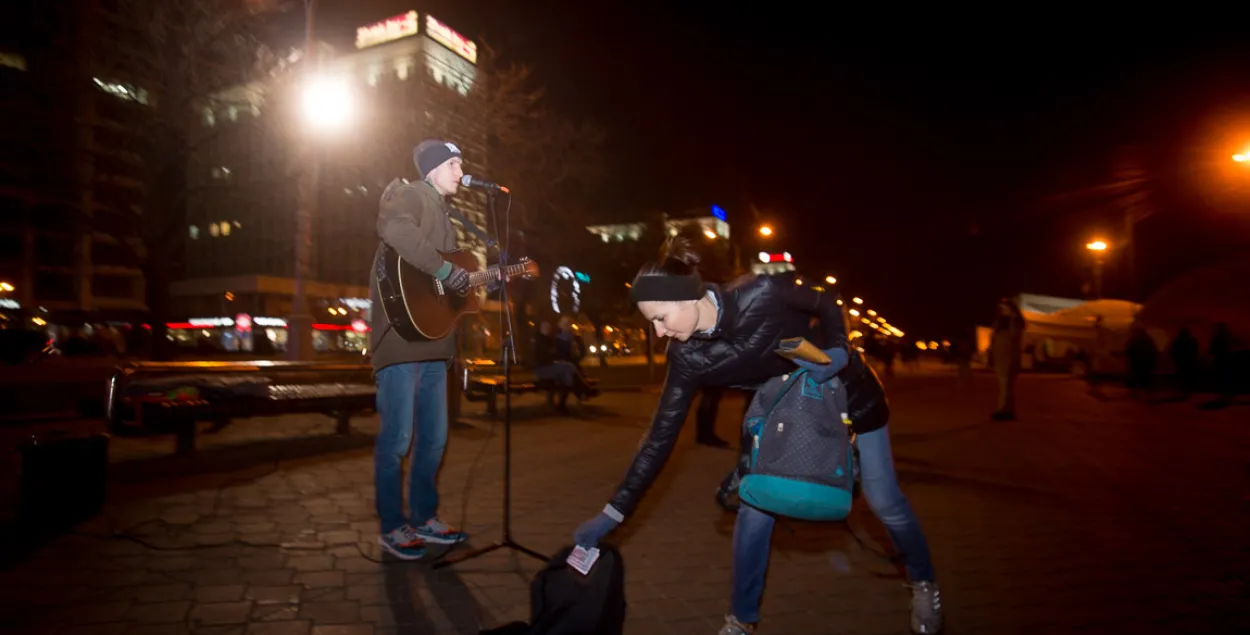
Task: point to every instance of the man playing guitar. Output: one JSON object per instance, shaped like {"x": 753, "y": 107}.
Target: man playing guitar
{"x": 411, "y": 375}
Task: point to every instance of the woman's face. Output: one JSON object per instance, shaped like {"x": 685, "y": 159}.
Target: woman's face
{"x": 671, "y": 319}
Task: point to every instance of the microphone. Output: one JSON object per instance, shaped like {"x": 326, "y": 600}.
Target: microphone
{"x": 469, "y": 180}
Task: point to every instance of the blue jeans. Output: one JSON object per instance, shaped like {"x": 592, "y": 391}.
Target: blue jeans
{"x": 754, "y": 529}
{"x": 412, "y": 399}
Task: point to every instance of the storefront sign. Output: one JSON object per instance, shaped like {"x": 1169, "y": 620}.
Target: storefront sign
{"x": 203, "y": 322}
{"x": 388, "y": 30}
{"x": 242, "y": 321}
{"x": 359, "y": 304}
{"x": 443, "y": 34}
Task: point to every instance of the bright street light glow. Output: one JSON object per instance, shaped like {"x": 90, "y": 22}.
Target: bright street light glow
{"x": 4, "y": 286}
{"x": 857, "y": 300}
{"x": 1097, "y": 245}
{"x": 765, "y": 230}
{"x": 831, "y": 280}
{"x": 1241, "y": 158}
{"x": 327, "y": 103}
{"x": 711, "y": 235}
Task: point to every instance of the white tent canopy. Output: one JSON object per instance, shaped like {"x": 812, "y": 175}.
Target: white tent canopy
{"x": 1058, "y": 329}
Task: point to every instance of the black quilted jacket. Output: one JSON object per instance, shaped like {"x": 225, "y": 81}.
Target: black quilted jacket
{"x": 756, "y": 313}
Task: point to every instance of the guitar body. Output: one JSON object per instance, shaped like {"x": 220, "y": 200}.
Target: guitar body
{"x": 418, "y": 307}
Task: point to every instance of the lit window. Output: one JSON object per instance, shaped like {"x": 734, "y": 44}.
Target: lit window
{"x": 193, "y": 232}
{"x": 214, "y": 230}
{"x": 225, "y": 228}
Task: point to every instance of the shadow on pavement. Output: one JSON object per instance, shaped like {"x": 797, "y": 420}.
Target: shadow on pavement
{"x": 416, "y": 593}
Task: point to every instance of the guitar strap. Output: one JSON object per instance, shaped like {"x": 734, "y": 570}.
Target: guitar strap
{"x": 473, "y": 229}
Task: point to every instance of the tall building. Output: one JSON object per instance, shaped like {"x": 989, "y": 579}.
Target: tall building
{"x": 711, "y": 221}
{"x": 411, "y": 77}
{"x": 70, "y": 191}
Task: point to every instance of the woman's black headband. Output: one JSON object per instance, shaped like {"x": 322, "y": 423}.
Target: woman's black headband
{"x": 667, "y": 288}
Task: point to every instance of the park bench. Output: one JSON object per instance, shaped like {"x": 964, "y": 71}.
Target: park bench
{"x": 159, "y": 396}
{"x": 484, "y": 383}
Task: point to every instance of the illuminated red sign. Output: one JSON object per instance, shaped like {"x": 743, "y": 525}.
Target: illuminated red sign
{"x": 443, "y": 34}
{"x": 781, "y": 257}
{"x": 390, "y": 29}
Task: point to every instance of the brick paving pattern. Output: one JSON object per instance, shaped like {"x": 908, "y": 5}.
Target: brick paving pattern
{"x": 1085, "y": 516}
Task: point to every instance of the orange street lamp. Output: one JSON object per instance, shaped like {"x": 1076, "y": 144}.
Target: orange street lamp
{"x": 1097, "y": 248}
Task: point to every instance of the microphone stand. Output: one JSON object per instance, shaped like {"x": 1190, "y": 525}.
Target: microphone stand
{"x": 508, "y": 351}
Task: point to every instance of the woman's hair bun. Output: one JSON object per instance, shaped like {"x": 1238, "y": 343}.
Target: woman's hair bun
{"x": 679, "y": 249}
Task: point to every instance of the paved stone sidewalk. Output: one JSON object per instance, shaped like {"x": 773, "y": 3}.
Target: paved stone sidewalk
{"x": 1085, "y": 516}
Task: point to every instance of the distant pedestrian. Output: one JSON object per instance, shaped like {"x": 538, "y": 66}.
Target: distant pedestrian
{"x": 1184, "y": 354}
{"x": 1005, "y": 345}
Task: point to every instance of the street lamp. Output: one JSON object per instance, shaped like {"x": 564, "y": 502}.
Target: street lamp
{"x": 1241, "y": 157}
{"x": 327, "y": 103}
{"x": 831, "y": 280}
{"x": 327, "y": 106}
{"x": 6, "y": 287}
{"x": 1098, "y": 248}
{"x": 766, "y": 231}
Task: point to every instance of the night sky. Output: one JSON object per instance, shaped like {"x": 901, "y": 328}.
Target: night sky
{"x": 915, "y": 164}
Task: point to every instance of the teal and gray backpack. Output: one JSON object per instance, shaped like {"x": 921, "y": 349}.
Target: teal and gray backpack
{"x": 801, "y": 455}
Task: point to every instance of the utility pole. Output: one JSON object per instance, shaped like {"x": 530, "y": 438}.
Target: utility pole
{"x": 299, "y": 326}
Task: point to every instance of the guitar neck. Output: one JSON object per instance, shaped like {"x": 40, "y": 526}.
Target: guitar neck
{"x": 494, "y": 273}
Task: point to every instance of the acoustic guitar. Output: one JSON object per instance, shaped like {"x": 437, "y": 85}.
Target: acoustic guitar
{"x": 419, "y": 307}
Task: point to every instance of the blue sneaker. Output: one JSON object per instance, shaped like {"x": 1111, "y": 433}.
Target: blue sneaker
{"x": 440, "y": 533}
{"x": 403, "y": 543}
